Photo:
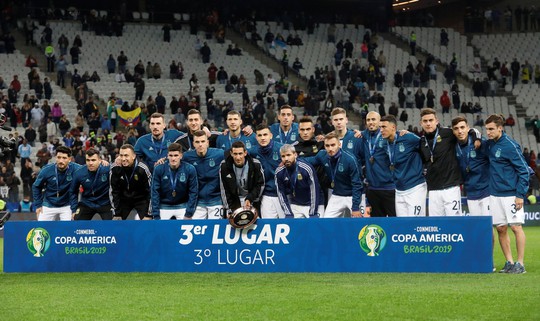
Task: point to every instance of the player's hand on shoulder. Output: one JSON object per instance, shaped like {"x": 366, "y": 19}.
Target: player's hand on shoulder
{"x": 477, "y": 144}
{"x": 357, "y": 133}
{"x": 248, "y": 130}
{"x": 403, "y": 132}
{"x": 160, "y": 161}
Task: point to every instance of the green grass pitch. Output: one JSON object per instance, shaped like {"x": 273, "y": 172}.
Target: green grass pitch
{"x": 278, "y": 296}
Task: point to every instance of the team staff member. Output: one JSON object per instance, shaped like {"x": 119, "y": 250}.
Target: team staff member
{"x": 381, "y": 190}
{"x": 342, "y": 169}
{"x": 51, "y": 188}
{"x": 234, "y": 125}
{"x": 241, "y": 179}
{"x": 474, "y": 166}
{"x": 286, "y": 130}
{"x": 267, "y": 152}
{"x": 297, "y": 185}
{"x": 206, "y": 161}
{"x": 94, "y": 179}
{"x": 153, "y": 146}
{"x": 174, "y": 187}
{"x": 130, "y": 186}
{"x": 194, "y": 123}
{"x": 406, "y": 167}
{"x": 508, "y": 185}
{"x": 443, "y": 177}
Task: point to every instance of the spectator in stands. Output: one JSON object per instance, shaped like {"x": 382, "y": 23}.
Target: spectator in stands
{"x": 297, "y": 65}
{"x": 444, "y": 38}
{"x": 222, "y": 75}
{"x": 205, "y": 53}
{"x": 111, "y": 64}
{"x": 74, "y": 52}
{"x": 510, "y": 121}
{"x": 456, "y": 101}
{"x": 95, "y": 77}
{"x": 37, "y": 115}
{"x": 537, "y": 67}
{"x": 173, "y": 70}
{"x": 161, "y": 102}
{"x": 24, "y": 151}
{"x": 412, "y": 43}
{"x": 31, "y": 62}
{"x": 43, "y": 155}
{"x": 479, "y": 121}
{"x": 64, "y": 125}
{"x": 409, "y": 99}
{"x": 16, "y": 84}
{"x": 525, "y": 74}
{"x": 229, "y": 51}
{"x": 49, "y": 54}
{"x": 477, "y": 87}
{"x": 514, "y": 67}
{"x": 85, "y": 77}
{"x": 122, "y": 60}
{"x": 56, "y": 112}
{"x": 61, "y": 68}
{"x": 47, "y": 88}
{"x": 156, "y": 71}
{"x": 166, "y": 32}
{"x": 445, "y": 102}
{"x": 51, "y": 129}
{"x": 212, "y": 73}
{"x": 349, "y": 47}
{"x": 193, "y": 82}
{"x": 139, "y": 88}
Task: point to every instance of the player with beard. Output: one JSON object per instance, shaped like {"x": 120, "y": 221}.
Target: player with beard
{"x": 153, "y": 146}
{"x": 51, "y": 188}
{"x": 130, "y": 186}
{"x": 286, "y": 130}
{"x": 381, "y": 190}
{"x": 194, "y": 123}
{"x": 297, "y": 185}
{"x": 234, "y": 124}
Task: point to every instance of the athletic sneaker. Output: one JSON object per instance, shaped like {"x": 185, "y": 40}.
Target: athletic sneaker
{"x": 507, "y": 267}
{"x": 518, "y": 268}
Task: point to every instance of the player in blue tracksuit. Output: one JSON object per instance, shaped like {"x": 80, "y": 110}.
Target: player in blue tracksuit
{"x": 297, "y": 185}
{"x": 508, "y": 185}
{"x": 406, "y": 168}
{"x": 153, "y": 146}
{"x": 381, "y": 190}
{"x": 267, "y": 152}
{"x": 346, "y": 184}
{"x": 234, "y": 124}
{"x": 174, "y": 187}
{"x": 206, "y": 161}
{"x": 285, "y": 131}
{"x": 94, "y": 180}
{"x": 474, "y": 166}
{"x": 51, "y": 188}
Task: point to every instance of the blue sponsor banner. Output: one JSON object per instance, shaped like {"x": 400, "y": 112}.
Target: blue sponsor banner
{"x": 453, "y": 244}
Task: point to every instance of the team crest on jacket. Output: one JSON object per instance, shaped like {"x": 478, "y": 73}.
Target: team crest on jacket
{"x": 340, "y": 167}
{"x": 212, "y": 163}
{"x": 473, "y": 154}
{"x": 349, "y": 144}
{"x": 182, "y": 177}
{"x": 293, "y": 136}
{"x": 401, "y": 147}
{"x": 498, "y": 153}
{"x": 380, "y": 143}
{"x": 275, "y": 157}
{"x": 104, "y": 177}
{"x": 248, "y": 144}
{"x": 69, "y": 178}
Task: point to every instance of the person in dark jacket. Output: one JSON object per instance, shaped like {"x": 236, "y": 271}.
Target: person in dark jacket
{"x": 241, "y": 179}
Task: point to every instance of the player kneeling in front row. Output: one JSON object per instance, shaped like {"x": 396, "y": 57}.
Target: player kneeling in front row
{"x": 241, "y": 179}
{"x": 297, "y": 185}
{"x": 508, "y": 185}
{"x": 174, "y": 187}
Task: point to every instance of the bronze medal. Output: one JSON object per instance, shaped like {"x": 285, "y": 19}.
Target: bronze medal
{"x": 173, "y": 193}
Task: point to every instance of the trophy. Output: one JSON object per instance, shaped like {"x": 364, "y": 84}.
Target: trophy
{"x": 372, "y": 240}
{"x": 243, "y": 217}
{"x": 39, "y": 242}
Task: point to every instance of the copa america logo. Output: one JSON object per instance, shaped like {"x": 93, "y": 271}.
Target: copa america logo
{"x": 372, "y": 239}
{"x": 38, "y": 241}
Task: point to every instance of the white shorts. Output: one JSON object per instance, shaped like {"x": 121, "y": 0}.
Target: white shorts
{"x": 208, "y": 212}
{"x": 167, "y": 214}
{"x": 55, "y": 213}
{"x": 503, "y": 210}
{"x": 411, "y": 202}
{"x": 339, "y": 205}
{"x": 271, "y": 207}
{"x": 445, "y": 202}
{"x": 300, "y": 211}
{"x": 479, "y": 207}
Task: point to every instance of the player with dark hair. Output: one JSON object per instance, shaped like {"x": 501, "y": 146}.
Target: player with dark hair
{"x": 153, "y": 146}
{"x": 234, "y": 125}
{"x": 297, "y": 185}
{"x": 94, "y": 179}
{"x": 241, "y": 179}
{"x": 51, "y": 188}
{"x": 406, "y": 167}
{"x": 174, "y": 187}
{"x": 286, "y": 130}
{"x": 206, "y": 161}
{"x": 130, "y": 186}
{"x": 194, "y": 123}
{"x": 508, "y": 185}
